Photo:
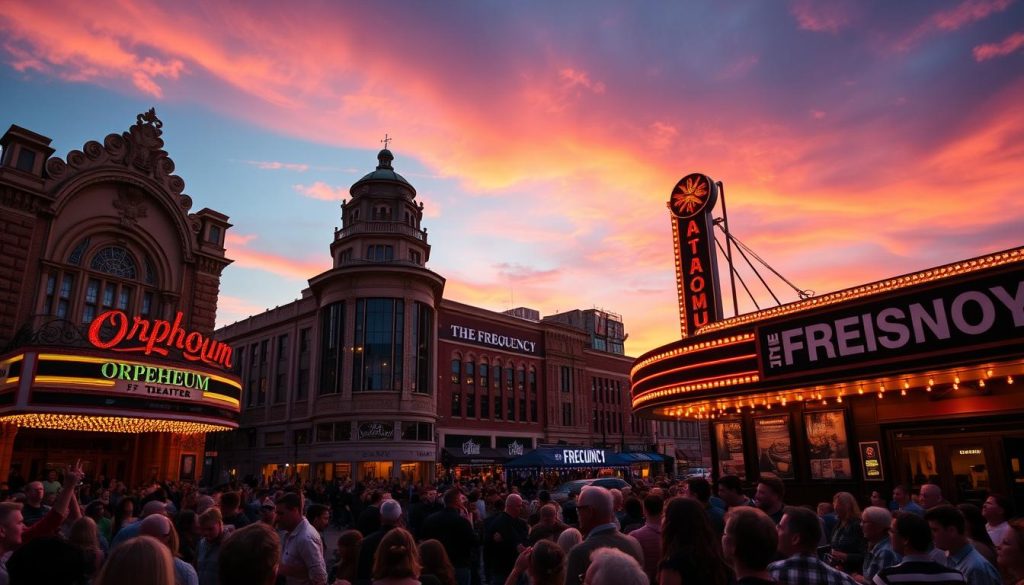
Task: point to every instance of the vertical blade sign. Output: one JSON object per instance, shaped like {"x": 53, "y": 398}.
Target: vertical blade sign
{"x": 700, "y": 299}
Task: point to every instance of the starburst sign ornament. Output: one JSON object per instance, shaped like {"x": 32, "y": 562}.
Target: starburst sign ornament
{"x": 690, "y": 195}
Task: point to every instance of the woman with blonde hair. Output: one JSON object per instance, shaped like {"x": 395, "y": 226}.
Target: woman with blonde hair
{"x": 569, "y": 538}
{"x": 142, "y": 560}
{"x": 85, "y": 535}
{"x": 848, "y": 543}
{"x": 397, "y": 560}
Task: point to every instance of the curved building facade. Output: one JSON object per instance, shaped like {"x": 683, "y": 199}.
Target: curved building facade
{"x": 109, "y": 295}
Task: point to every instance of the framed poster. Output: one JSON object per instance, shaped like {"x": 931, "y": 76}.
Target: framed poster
{"x": 729, "y": 448}
{"x": 187, "y": 470}
{"x": 871, "y": 461}
{"x": 826, "y": 442}
{"x": 774, "y": 446}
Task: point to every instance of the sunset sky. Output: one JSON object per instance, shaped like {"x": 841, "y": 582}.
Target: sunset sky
{"x": 856, "y": 140}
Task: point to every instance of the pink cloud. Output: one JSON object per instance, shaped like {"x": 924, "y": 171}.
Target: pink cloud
{"x": 272, "y": 165}
{"x": 574, "y": 78}
{"x": 322, "y": 191}
{"x": 821, "y": 16}
{"x": 237, "y": 247}
{"x": 1008, "y": 45}
{"x": 968, "y": 12}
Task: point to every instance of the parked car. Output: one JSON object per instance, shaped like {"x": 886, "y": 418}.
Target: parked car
{"x": 562, "y": 493}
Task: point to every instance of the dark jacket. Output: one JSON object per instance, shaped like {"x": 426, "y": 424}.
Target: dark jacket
{"x": 368, "y": 521}
{"x": 455, "y": 533}
{"x": 501, "y": 554}
{"x": 367, "y": 551}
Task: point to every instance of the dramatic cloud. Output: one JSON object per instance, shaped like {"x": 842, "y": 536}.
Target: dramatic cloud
{"x": 238, "y": 248}
{"x": 1008, "y": 45}
{"x": 323, "y": 191}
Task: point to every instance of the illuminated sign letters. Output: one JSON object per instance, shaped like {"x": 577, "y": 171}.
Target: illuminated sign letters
{"x": 113, "y": 330}
{"x": 691, "y": 203}
{"x": 950, "y": 318}
{"x": 488, "y": 338}
{"x": 583, "y": 456}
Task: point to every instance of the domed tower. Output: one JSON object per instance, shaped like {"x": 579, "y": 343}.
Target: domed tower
{"x": 377, "y": 332}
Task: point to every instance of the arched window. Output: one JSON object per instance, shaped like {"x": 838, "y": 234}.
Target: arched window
{"x": 456, "y": 370}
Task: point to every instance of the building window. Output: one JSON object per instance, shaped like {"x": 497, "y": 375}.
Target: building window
{"x": 213, "y": 235}
{"x": 509, "y": 378}
{"x": 521, "y": 377}
{"x": 261, "y": 391}
{"x": 511, "y": 408}
{"x": 483, "y": 373}
{"x": 497, "y": 404}
{"x": 497, "y": 376}
{"x": 456, "y": 371}
{"x": 333, "y": 432}
{"x": 423, "y": 346}
{"x": 26, "y": 160}
{"x": 302, "y": 384}
{"x": 281, "y": 383}
{"x": 379, "y": 339}
{"x": 115, "y": 261}
{"x": 471, "y": 405}
{"x": 456, "y": 403}
{"x": 533, "y": 411}
{"x": 417, "y": 431}
{"x": 345, "y": 257}
{"x": 275, "y": 439}
{"x": 332, "y": 330}
{"x": 415, "y": 257}
{"x": 566, "y": 414}
{"x": 380, "y": 253}
{"x": 469, "y": 371}
{"x": 485, "y": 406}
{"x": 566, "y": 378}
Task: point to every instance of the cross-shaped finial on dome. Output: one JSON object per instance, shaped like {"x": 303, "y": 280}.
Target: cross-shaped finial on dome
{"x": 387, "y": 140}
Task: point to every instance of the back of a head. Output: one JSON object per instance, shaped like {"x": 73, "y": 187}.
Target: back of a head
{"x": 47, "y": 561}
{"x": 804, "y": 524}
{"x": 754, "y": 537}
{"x": 452, "y": 497}
{"x": 699, "y": 488}
{"x": 291, "y": 501}
{"x": 775, "y": 484}
{"x": 84, "y": 534}
{"x": 153, "y": 507}
{"x": 600, "y": 501}
{"x": 569, "y": 538}
{"x": 548, "y": 512}
{"x": 653, "y": 505}
{"x": 229, "y": 501}
{"x": 731, "y": 482}
{"x": 140, "y": 561}
{"x": 397, "y": 556}
{"x": 249, "y": 556}
{"x": 547, "y": 562}
{"x": 611, "y": 566}
{"x": 685, "y": 526}
{"x": 434, "y": 558}
{"x": 915, "y": 530}
{"x": 877, "y": 516}
{"x": 390, "y": 511}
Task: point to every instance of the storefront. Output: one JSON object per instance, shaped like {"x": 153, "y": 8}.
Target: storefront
{"x": 571, "y": 462}
{"x": 906, "y": 380}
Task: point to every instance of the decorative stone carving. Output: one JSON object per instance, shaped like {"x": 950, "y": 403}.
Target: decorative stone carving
{"x": 131, "y": 205}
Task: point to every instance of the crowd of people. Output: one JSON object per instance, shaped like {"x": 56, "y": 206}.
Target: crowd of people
{"x": 66, "y": 529}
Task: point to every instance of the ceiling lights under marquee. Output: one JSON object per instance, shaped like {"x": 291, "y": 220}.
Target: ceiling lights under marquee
{"x": 108, "y": 424}
{"x": 977, "y": 379}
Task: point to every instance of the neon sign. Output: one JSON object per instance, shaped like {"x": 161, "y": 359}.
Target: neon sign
{"x": 691, "y": 203}
{"x": 155, "y": 336}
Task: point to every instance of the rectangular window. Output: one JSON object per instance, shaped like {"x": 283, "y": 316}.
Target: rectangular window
{"x": 485, "y": 406}
{"x": 26, "y": 160}
{"x": 213, "y": 235}
{"x": 566, "y": 414}
{"x": 469, "y": 373}
{"x": 497, "y": 406}
{"x": 274, "y": 439}
{"x": 51, "y": 285}
{"x": 511, "y": 408}
{"x": 566, "y": 378}
{"x": 379, "y": 344}
{"x": 456, "y": 403}
{"x": 92, "y": 294}
{"x": 484, "y": 375}
{"x": 280, "y": 386}
{"x": 533, "y": 411}
{"x": 423, "y": 347}
{"x": 456, "y": 372}
{"x": 332, "y": 331}
{"x": 471, "y": 406}
{"x": 147, "y": 303}
{"x": 64, "y": 297}
{"x": 302, "y": 383}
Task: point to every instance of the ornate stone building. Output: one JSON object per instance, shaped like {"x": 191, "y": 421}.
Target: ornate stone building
{"x": 108, "y": 290}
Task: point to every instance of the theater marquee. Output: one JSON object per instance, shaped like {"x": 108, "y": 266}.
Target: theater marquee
{"x": 691, "y": 203}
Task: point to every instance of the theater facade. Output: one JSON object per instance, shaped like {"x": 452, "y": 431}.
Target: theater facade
{"x": 108, "y": 295}
{"x": 907, "y": 380}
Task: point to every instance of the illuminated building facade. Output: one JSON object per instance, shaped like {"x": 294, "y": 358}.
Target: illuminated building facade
{"x": 108, "y": 295}
{"x": 372, "y": 373}
{"x": 907, "y": 380}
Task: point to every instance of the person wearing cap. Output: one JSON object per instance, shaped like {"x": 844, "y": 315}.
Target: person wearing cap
{"x": 268, "y": 512}
{"x": 160, "y": 527}
{"x": 390, "y": 517}
{"x": 132, "y": 530}
{"x": 302, "y": 559}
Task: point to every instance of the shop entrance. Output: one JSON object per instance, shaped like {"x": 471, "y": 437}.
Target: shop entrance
{"x": 968, "y": 461}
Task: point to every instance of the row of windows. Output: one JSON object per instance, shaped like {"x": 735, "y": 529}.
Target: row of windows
{"x": 257, "y": 377}
{"x": 498, "y": 406}
{"x": 470, "y": 374}
{"x": 112, "y": 281}
{"x": 380, "y": 253}
{"x": 607, "y": 422}
{"x": 333, "y": 432}
{"x": 606, "y": 391}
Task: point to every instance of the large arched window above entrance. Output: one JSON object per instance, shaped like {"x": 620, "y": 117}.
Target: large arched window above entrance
{"x": 115, "y": 261}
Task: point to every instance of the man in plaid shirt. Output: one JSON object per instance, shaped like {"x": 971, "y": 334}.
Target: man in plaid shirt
{"x": 799, "y": 533}
{"x": 875, "y": 523}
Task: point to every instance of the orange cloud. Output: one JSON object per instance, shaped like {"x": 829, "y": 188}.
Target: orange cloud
{"x": 272, "y": 165}
{"x": 237, "y": 248}
{"x": 322, "y": 191}
{"x": 1008, "y": 45}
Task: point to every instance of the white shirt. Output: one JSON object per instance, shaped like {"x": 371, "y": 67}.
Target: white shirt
{"x": 997, "y": 533}
{"x": 303, "y": 545}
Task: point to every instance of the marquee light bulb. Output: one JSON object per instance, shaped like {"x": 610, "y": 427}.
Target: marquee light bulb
{"x": 1009, "y": 379}
{"x": 981, "y": 383}
{"x": 881, "y": 395}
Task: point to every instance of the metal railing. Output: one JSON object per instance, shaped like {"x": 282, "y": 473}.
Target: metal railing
{"x": 381, "y": 227}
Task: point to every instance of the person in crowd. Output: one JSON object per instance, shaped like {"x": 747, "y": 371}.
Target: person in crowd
{"x": 610, "y": 566}
{"x": 48, "y": 560}
{"x": 949, "y": 533}
{"x": 876, "y": 522}
{"x": 97, "y": 510}
{"x": 249, "y": 556}
{"x": 231, "y": 511}
{"x": 397, "y": 559}
{"x": 770, "y": 496}
{"x": 389, "y": 517}
{"x": 543, "y": 499}
{"x": 902, "y": 501}
{"x": 570, "y": 537}
{"x": 597, "y": 522}
{"x": 453, "y": 528}
{"x": 617, "y": 505}
{"x": 799, "y": 533}
{"x": 749, "y": 543}
{"x": 211, "y": 531}
{"x": 132, "y": 530}
{"x": 848, "y": 544}
{"x": 931, "y": 496}
{"x": 86, "y": 537}
{"x": 140, "y": 561}
{"x": 828, "y": 519}
{"x": 186, "y": 522}
{"x": 569, "y": 513}
{"x": 634, "y": 514}
{"x": 876, "y": 499}
{"x": 543, "y": 563}
{"x": 912, "y": 540}
{"x": 435, "y": 563}
{"x": 505, "y": 537}
{"x": 268, "y": 512}
{"x": 974, "y": 525}
{"x": 649, "y": 535}
{"x": 730, "y": 490}
{"x": 51, "y": 485}
{"x": 34, "y": 508}
{"x": 700, "y": 489}
{"x": 427, "y": 506}
{"x": 996, "y": 510}
{"x": 548, "y": 525}
{"x": 690, "y": 549}
{"x": 302, "y": 559}
{"x": 1011, "y": 553}
{"x": 319, "y": 517}
{"x": 347, "y": 553}
{"x": 161, "y": 528}
{"x": 368, "y": 521}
